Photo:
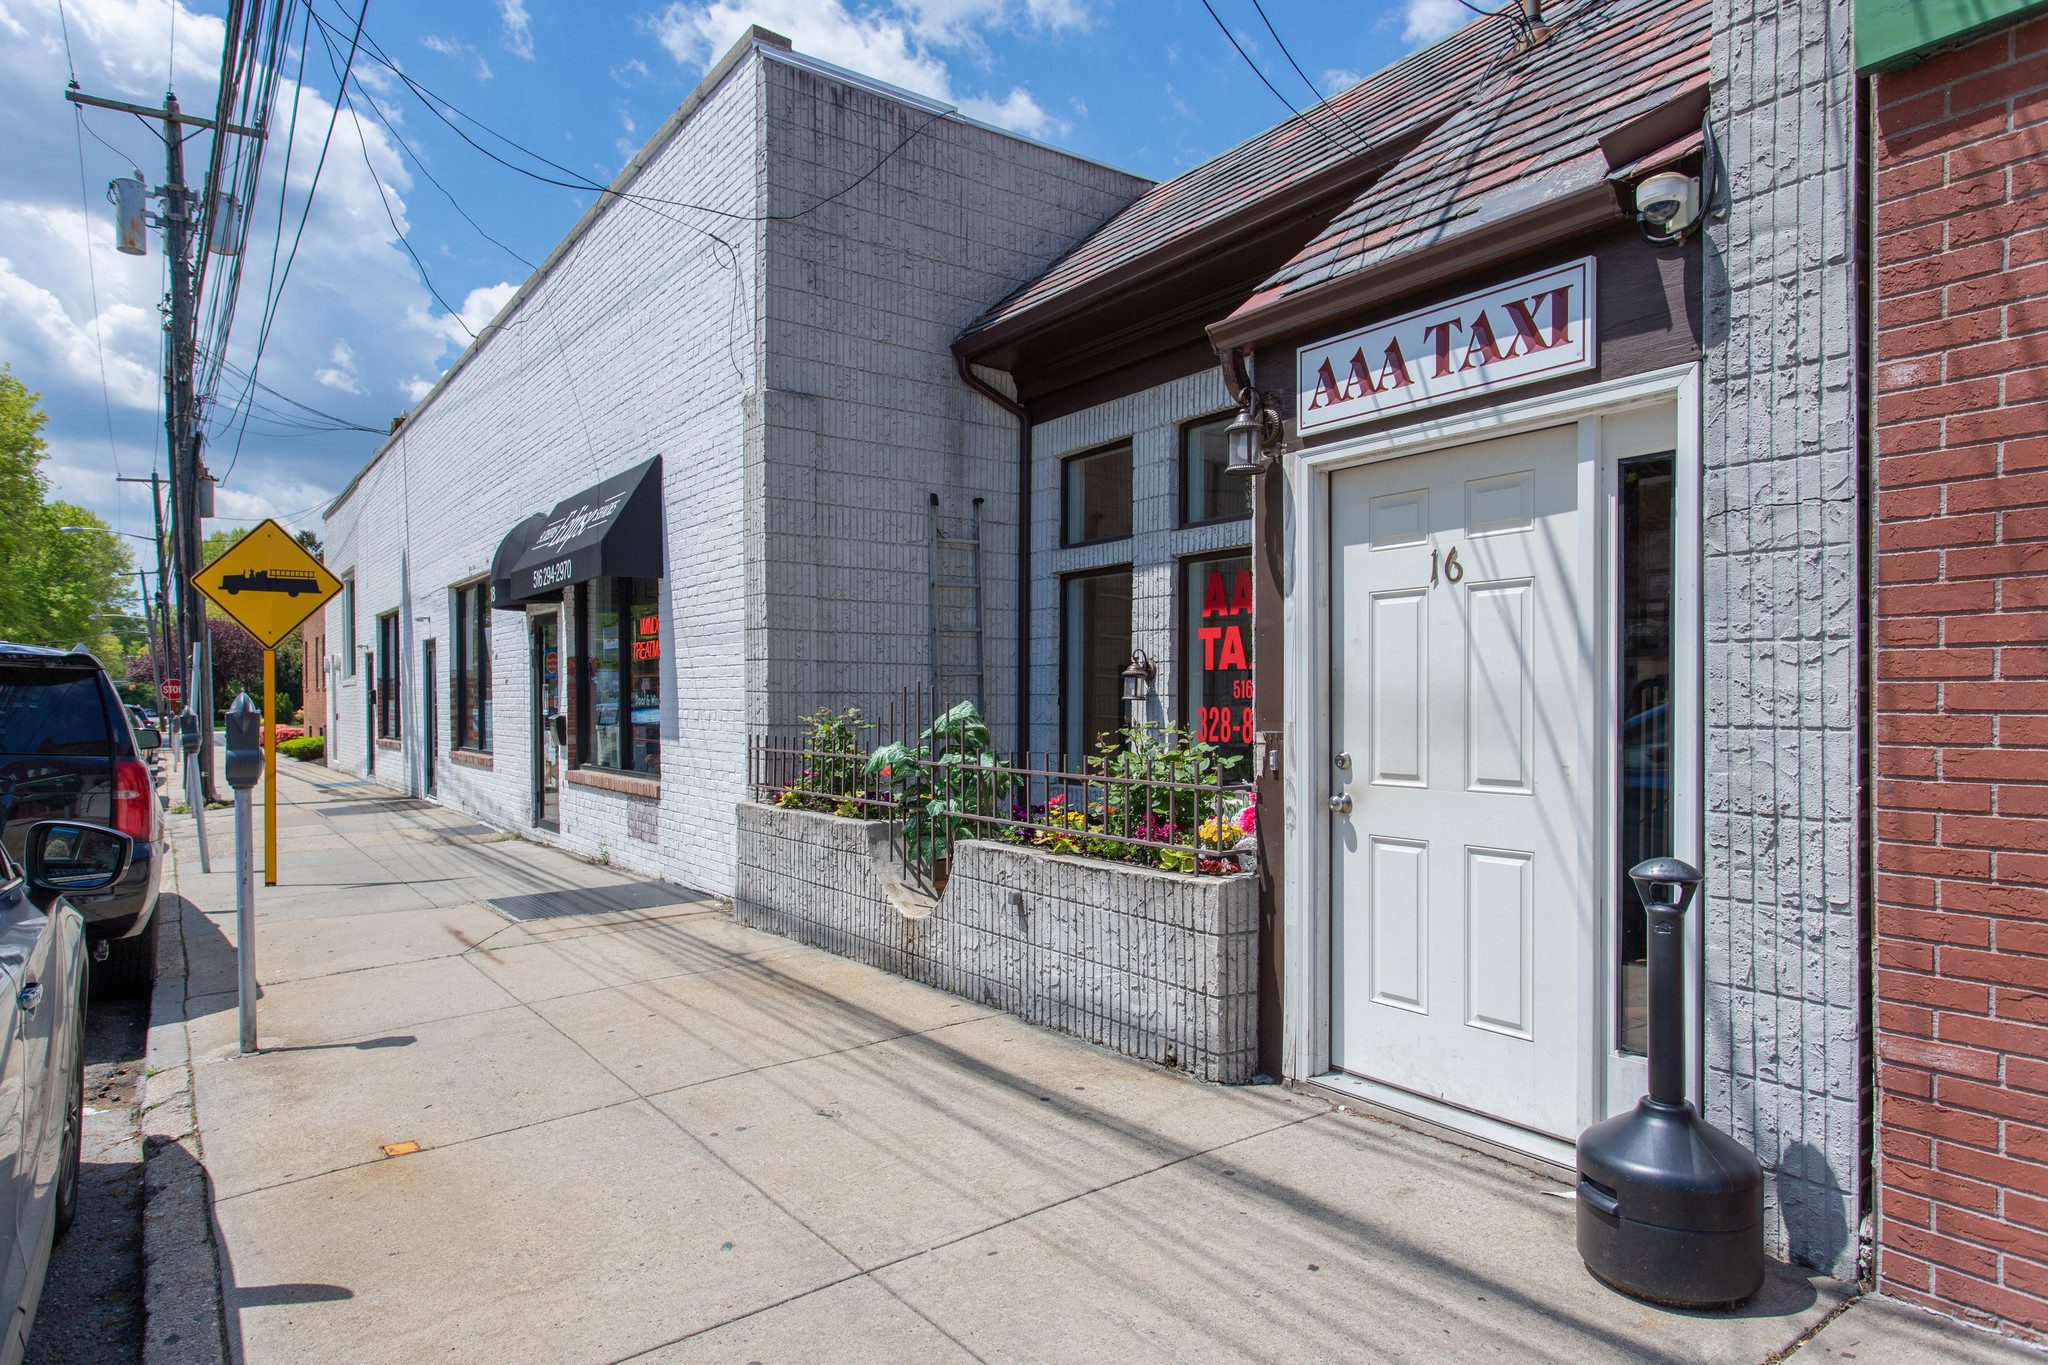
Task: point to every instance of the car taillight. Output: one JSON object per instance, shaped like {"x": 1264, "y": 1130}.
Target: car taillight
{"x": 133, "y": 793}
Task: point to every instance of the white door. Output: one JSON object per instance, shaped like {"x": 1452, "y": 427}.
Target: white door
{"x": 1461, "y": 937}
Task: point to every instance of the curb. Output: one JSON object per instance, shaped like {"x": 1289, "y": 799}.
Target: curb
{"x": 183, "y": 1321}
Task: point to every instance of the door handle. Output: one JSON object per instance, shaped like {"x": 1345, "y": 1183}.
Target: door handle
{"x": 1341, "y": 803}
{"x": 30, "y": 996}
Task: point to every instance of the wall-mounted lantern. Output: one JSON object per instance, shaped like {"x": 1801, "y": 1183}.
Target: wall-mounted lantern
{"x": 1251, "y": 435}
{"x": 1138, "y": 675}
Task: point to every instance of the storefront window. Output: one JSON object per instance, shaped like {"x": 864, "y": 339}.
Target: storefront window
{"x": 1645, "y": 712}
{"x": 622, "y": 640}
{"x": 1216, "y": 655}
{"x": 1207, "y": 493}
{"x": 473, "y": 667}
{"x": 1096, "y": 632}
{"x": 1095, "y": 490}
{"x": 387, "y": 676}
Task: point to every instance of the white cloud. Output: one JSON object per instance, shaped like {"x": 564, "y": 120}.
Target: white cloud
{"x": 354, "y": 330}
{"x": 1425, "y": 21}
{"x": 903, "y": 42}
{"x": 1337, "y": 79}
{"x": 630, "y": 68}
{"x": 517, "y": 37}
{"x": 447, "y": 47}
{"x": 342, "y": 374}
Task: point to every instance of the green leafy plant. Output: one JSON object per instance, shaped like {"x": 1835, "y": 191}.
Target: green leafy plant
{"x": 306, "y": 748}
{"x": 944, "y": 781}
{"x": 1146, "y": 755}
{"x": 832, "y": 778}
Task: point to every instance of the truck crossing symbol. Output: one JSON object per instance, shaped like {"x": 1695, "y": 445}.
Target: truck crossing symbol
{"x": 268, "y": 583}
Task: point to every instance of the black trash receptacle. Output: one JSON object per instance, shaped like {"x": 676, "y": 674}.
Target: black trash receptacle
{"x": 1670, "y": 1207}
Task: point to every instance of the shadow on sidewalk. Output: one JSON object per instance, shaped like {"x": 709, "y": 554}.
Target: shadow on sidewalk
{"x": 190, "y": 1263}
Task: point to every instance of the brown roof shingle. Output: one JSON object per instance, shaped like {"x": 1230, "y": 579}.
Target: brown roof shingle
{"x": 1378, "y": 112}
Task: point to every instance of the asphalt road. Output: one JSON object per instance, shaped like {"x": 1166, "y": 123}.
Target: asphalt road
{"x": 91, "y": 1312}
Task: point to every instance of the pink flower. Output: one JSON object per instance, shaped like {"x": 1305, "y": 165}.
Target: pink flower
{"x": 1248, "y": 819}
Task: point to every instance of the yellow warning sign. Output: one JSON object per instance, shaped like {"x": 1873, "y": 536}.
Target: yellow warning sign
{"x": 268, "y": 583}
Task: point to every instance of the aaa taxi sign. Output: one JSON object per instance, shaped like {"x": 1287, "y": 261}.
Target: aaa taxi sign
{"x": 268, "y": 583}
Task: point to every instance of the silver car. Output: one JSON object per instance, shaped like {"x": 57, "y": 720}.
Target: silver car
{"x": 42, "y": 1047}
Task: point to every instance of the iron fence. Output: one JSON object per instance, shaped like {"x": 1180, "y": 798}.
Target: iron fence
{"x": 1157, "y": 801}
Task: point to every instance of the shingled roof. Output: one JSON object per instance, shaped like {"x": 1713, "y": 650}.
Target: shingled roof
{"x": 1360, "y": 129}
{"x": 1617, "y": 80}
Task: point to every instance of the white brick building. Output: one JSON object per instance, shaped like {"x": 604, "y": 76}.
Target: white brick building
{"x": 786, "y": 357}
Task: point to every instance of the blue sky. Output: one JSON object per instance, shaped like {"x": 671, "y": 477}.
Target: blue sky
{"x": 1152, "y": 86}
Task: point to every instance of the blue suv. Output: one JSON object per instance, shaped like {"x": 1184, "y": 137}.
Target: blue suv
{"x": 70, "y": 751}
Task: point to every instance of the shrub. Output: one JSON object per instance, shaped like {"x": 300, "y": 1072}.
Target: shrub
{"x": 306, "y": 748}
{"x": 285, "y": 732}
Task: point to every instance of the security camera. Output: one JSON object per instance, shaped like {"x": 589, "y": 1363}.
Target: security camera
{"x": 1668, "y": 202}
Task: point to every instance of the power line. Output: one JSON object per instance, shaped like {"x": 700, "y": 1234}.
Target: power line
{"x": 1305, "y": 119}
{"x": 270, "y": 312}
{"x": 92, "y": 281}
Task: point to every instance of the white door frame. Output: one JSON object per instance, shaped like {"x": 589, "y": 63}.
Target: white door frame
{"x": 1307, "y": 978}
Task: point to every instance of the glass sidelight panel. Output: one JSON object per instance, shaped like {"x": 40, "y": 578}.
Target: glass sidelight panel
{"x": 1096, "y": 626}
{"x": 1644, "y": 711}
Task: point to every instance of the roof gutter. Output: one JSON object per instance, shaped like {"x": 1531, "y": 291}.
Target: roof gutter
{"x": 1023, "y": 416}
{"x": 1568, "y": 216}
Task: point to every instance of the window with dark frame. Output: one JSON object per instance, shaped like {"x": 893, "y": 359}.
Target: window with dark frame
{"x": 1095, "y": 496}
{"x": 1216, "y": 655}
{"x": 1095, "y": 647}
{"x": 472, "y": 690}
{"x": 387, "y": 676}
{"x": 1644, "y": 652}
{"x": 1207, "y": 493}
{"x": 620, "y": 719}
{"x": 348, "y": 626}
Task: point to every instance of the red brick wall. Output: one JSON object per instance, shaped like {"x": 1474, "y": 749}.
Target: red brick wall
{"x": 1961, "y": 210}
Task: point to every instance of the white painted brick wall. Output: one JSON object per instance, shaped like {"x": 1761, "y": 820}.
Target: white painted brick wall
{"x": 866, "y": 415}
{"x": 796, "y": 379}
{"x": 1781, "y": 573}
{"x": 1152, "y": 421}
{"x": 639, "y": 343}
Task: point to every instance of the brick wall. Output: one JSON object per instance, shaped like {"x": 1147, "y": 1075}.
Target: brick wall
{"x": 1962, "y": 665}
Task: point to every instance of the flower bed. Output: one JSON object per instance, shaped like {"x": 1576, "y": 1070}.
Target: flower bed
{"x": 1155, "y": 964}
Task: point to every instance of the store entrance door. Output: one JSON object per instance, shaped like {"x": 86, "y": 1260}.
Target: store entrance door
{"x": 1461, "y": 938}
{"x": 549, "y": 724}
{"x": 429, "y": 712}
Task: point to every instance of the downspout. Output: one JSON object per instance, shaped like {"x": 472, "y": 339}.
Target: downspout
{"x": 1017, "y": 410}
{"x": 1231, "y": 359}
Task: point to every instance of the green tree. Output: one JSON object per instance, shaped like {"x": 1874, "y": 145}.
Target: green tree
{"x": 58, "y": 586}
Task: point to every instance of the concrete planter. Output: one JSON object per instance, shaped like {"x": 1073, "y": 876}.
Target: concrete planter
{"x": 1157, "y": 965}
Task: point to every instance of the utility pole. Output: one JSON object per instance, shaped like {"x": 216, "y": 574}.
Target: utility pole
{"x": 161, "y": 607}
{"x": 177, "y": 217}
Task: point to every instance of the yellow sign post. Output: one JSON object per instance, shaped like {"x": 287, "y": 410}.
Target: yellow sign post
{"x": 268, "y": 583}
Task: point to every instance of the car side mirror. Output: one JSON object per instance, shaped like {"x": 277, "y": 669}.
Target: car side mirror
{"x": 149, "y": 739}
{"x": 64, "y": 855}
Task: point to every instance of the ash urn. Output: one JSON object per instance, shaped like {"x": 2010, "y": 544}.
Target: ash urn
{"x": 1670, "y": 1208}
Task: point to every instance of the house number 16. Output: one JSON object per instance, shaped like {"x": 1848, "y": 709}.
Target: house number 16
{"x": 1453, "y": 571}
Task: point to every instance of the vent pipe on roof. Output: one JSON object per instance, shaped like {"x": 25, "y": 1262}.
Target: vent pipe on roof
{"x": 1535, "y": 33}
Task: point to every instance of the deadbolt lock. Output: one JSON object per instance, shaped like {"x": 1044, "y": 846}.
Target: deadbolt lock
{"x": 1343, "y": 761}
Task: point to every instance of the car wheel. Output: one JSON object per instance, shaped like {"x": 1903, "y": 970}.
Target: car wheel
{"x": 74, "y": 1127}
{"x": 130, "y": 967}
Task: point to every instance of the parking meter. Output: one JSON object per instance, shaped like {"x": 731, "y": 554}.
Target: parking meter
{"x": 1670, "y": 1208}
{"x": 244, "y": 767}
{"x": 195, "y": 788}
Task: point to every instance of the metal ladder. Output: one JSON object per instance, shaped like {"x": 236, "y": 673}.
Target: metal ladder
{"x": 955, "y": 612}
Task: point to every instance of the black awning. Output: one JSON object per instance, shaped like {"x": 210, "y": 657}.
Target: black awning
{"x": 510, "y": 548}
{"x": 609, "y": 530}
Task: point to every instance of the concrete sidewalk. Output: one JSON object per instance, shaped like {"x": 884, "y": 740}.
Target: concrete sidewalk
{"x": 647, "y": 1133}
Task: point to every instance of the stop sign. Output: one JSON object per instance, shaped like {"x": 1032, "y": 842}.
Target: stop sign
{"x": 172, "y": 691}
